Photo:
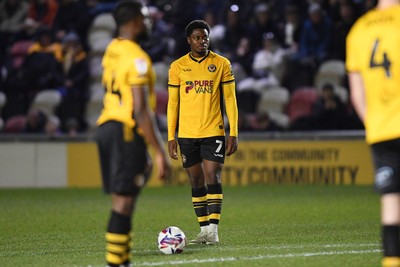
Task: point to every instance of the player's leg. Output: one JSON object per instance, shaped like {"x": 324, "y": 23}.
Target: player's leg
{"x": 387, "y": 182}
{"x": 123, "y": 161}
{"x": 390, "y": 213}
{"x": 213, "y": 154}
{"x": 212, "y": 172}
{"x": 199, "y": 200}
{"x": 190, "y": 151}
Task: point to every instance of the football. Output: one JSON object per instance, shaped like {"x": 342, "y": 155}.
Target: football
{"x": 171, "y": 240}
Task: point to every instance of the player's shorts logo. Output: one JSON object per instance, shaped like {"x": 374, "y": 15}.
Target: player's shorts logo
{"x": 212, "y": 68}
{"x": 183, "y": 158}
{"x": 189, "y": 86}
{"x": 383, "y": 177}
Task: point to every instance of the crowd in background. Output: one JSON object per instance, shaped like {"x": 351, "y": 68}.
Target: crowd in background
{"x": 272, "y": 45}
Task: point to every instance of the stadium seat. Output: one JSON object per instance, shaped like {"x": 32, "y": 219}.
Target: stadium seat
{"x": 280, "y": 118}
{"x": 15, "y": 124}
{"x": 93, "y": 108}
{"x": 162, "y": 102}
{"x": 95, "y": 67}
{"x": 103, "y": 21}
{"x": 246, "y": 84}
{"x": 3, "y": 100}
{"x": 98, "y": 40}
{"x": 301, "y": 102}
{"x": 342, "y": 93}
{"x": 239, "y": 72}
{"x": 19, "y": 50}
{"x": 95, "y": 86}
{"x": 161, "y": 70}
{"x": 273, "y": 99}
{"x": 331, "y": 71}
{"x": 47, "y": 101}
{"x": 265, "y": 83}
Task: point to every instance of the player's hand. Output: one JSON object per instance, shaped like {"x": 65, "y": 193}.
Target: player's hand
{"x": 173, "y": 149}
{"x": 231, "y": 145}
{"x": 163, "y": 164}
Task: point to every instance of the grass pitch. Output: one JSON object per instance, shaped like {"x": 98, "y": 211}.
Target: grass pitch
{"x": 260, "y": 226}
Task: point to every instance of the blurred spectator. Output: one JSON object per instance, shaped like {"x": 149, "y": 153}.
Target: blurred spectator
{"x": 329, "y": 112}
{"x": 258, "y": 122}
{"x": 42, "y": 66}
{"x": 35, "y": 121}
{"x": 315, "y": 37}
{"x": 341, "y": 29}
{"x": 217, "y": 32}
{"x": 291, "y": 29}
{"x": 179, "y": 13}
{"x": 232, "y": 30}
{"x": 41, "y": 13}
{"x": 268, "y": 62}
{"x": 74, "y": 90}
{"x": 244, "y": 56}
{"x": 73, "y": 16}
{"x": 263, "y": 23}
{"x": 45, "y": 44}
{"x": 315, "y": 40}
{"x": 12, "y": 16}
{"x": 160, "y": 43}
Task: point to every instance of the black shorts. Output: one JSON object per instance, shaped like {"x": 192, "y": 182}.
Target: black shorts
{"x": 122, "y": 162}
{"x": 386, "y": 157}
{"x": 195, "y": 150}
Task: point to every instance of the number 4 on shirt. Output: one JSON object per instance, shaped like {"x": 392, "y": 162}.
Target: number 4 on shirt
{"x": 385, "y": 63}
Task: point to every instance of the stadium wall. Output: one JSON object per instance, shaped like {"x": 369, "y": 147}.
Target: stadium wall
{"x": 279, "y": 161}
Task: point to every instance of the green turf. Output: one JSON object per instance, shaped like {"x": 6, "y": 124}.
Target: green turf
{"x": 261, "y": 226}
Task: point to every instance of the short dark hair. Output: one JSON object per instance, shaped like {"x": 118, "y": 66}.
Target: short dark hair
{"x": 126, "y": 11}
{"x": 196, "y": 24}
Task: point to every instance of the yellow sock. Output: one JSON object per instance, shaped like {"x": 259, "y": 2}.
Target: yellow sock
{"x": 391, "y": 262}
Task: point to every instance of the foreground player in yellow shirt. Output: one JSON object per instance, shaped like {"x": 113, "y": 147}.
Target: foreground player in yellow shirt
{"x": 373, "y": 62}
{"x": 127, "y": 78}
{"x": 199, "y": 84}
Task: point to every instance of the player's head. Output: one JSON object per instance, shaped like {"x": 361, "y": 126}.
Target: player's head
{"x": 131, "y": 14}
{"x": 197, "y": 33}
{"x": 196, "y": 24}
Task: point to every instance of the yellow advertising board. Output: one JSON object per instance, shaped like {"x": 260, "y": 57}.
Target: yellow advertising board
{"x": 330, "y": 162}
{"x": 294, "y": 162}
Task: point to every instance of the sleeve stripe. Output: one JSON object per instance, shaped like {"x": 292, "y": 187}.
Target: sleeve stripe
{"x": 231, "y": 81}
{"x": 173, "y": 85}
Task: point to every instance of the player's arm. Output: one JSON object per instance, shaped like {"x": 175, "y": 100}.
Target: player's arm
{"x": 172, "y": 118}
{"x": 232, "y": 114}
{"x": 173, "y": 109}
{"x": 357, "y": 94}
{"x": 145, "y": 119}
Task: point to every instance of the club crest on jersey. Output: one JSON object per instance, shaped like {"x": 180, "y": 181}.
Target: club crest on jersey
{"x": 199, "y": 86}
{"x": 212, "y": 68}
{"x": 141, "y": 66}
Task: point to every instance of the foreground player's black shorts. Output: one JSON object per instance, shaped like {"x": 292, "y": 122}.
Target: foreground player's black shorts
{"x": 121, "y": 161}
{"x": 387, "y": 166}
{"x": 195, "y": 150}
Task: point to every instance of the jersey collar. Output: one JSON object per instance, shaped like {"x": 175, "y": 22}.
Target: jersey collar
{"x": 201, "y": 60}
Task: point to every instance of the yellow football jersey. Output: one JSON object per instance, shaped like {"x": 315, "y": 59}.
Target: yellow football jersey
{"x": 197, "y": 89}
{"x": 125, "y": 64}
{"x": 373, "y": 50}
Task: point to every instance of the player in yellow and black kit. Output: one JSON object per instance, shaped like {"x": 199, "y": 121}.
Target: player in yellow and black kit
{"x": 199, "y": 84}
{"x": 127, "y": 78}
{"x": 373, "y": 62}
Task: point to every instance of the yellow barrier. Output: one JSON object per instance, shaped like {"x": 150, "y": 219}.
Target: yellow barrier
{"x": 256, "y": 162}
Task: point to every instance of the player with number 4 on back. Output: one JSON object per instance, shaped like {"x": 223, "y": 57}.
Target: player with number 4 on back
{"x": 126, "y": 125}
{"x": 373, "y": 62}
{"x": 199, "y": 84}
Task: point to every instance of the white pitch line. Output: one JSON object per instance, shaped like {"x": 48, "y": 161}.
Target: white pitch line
{"x": 259, "y": 257}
